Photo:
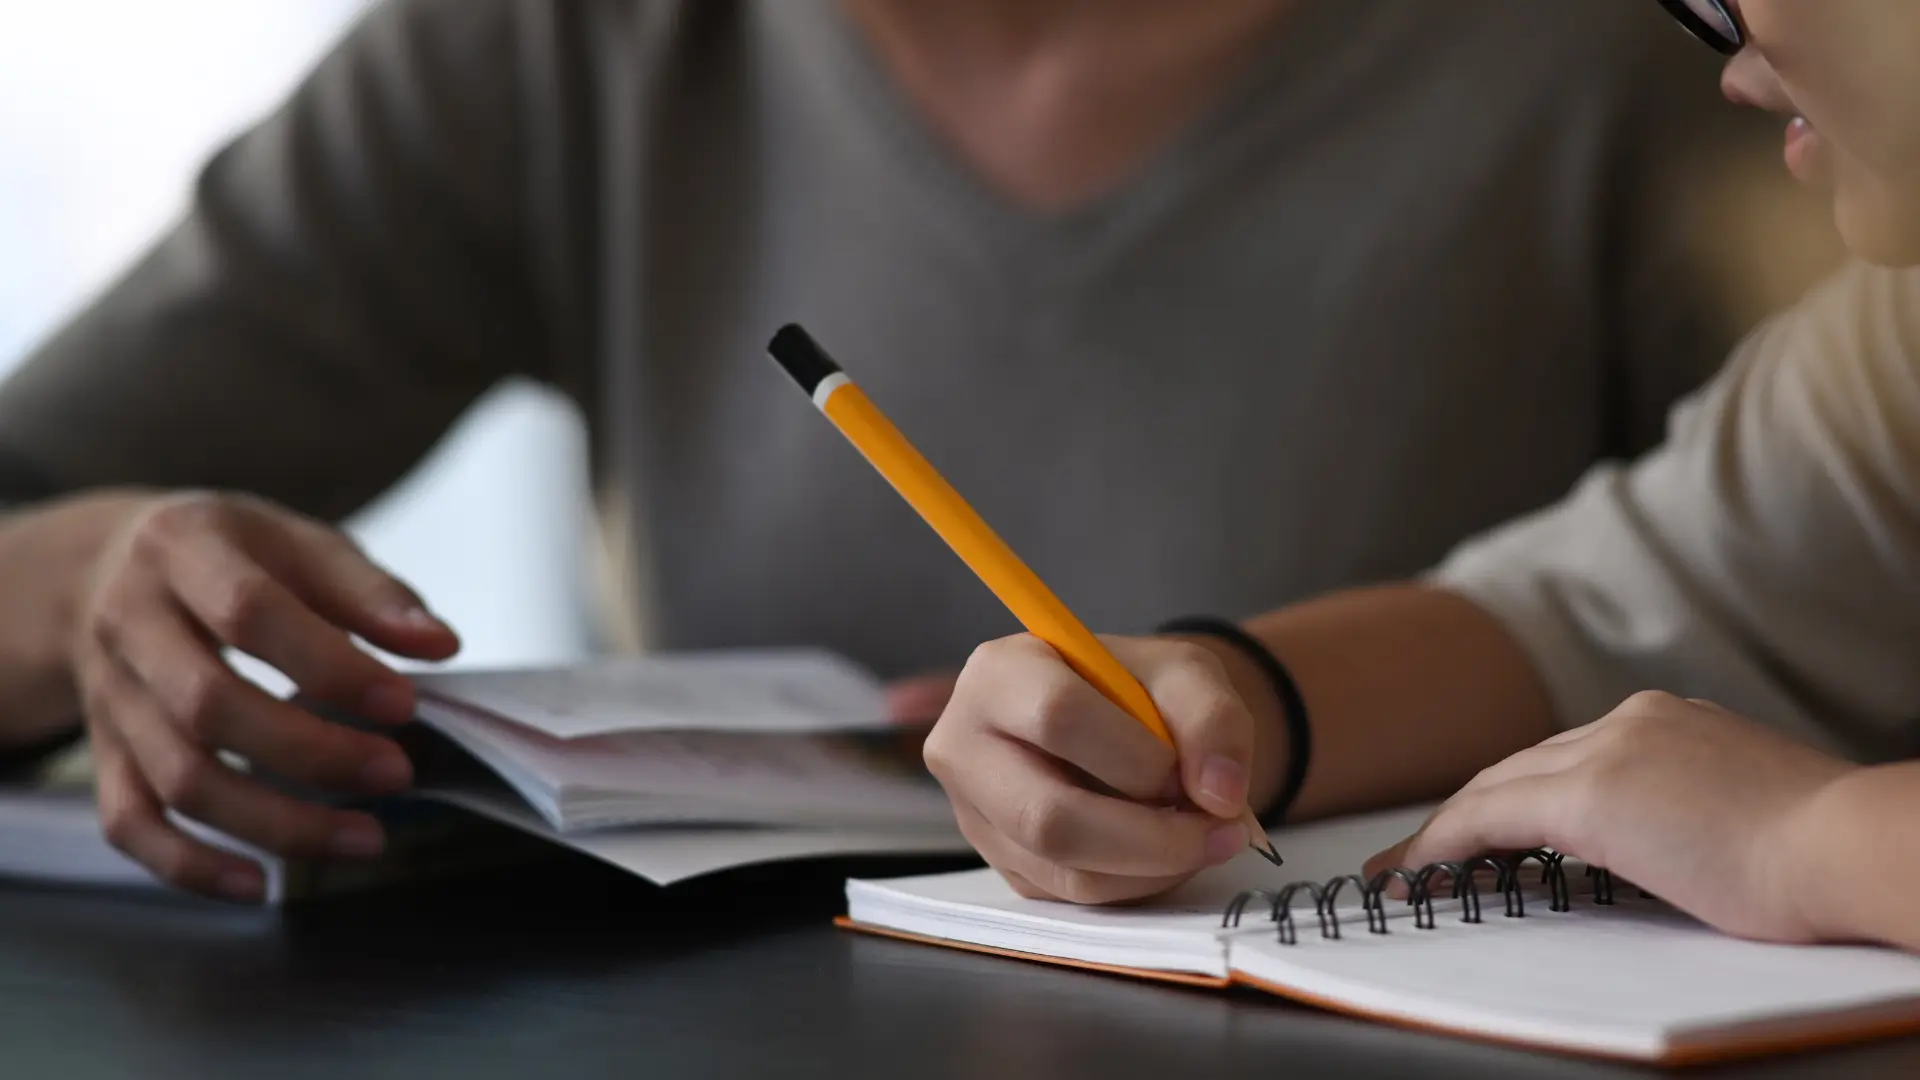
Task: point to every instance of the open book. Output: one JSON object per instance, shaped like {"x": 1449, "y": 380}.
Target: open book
{"x": 1540, "y": 952}
{"x": 667, "y": 767}
{"x": 786, "y": 738}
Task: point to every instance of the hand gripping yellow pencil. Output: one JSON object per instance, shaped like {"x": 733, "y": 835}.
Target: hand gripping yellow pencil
{"x": 978, "y": 546}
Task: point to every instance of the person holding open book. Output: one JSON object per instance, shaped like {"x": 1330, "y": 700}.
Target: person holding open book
{"x": 1762, "y": 566}
{"x": 1342, "y": 275}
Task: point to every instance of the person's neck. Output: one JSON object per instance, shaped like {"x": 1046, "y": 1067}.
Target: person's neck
{"x": 1056, "y": 101}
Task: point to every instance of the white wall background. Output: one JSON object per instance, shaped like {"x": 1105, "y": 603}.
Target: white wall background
{"x": 107, "y": 108}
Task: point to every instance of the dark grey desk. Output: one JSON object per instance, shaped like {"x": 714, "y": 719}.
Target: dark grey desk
{"x": 571, "y": 970}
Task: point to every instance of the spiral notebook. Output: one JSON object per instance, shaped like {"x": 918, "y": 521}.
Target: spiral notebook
{"x": 1530, "y": 949}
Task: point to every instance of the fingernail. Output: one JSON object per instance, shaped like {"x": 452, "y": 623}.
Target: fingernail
{"x": 243, "y": 885}
{"x": 388, "y": 772}
{"x": 387, "y": 702}
{"x": 415, "y": 617}
{"x": 1224, "y": 780}
{"x": 1224, "y": 843}
{"x": 359, "y": 840}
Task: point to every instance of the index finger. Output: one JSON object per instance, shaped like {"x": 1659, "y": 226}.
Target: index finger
{"x": 1030, "y": 801}
{"x": 242, "y": 604}
{"x": 1512, "y": 816}
{"x": 349, "y": 589}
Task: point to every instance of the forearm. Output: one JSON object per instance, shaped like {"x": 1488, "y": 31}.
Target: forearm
{"x": 1410, "y": 690}
{"x": 45, "y": 554}
{"x": 1853, "y": 857}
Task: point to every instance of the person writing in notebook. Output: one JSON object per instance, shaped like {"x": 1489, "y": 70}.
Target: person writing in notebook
{"x": 1345, "y": 275}
{"x": 1763, "y": 565}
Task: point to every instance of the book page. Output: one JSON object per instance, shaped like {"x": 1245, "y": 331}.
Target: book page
{"x": 614, "y": 780}
{"x": 778, "y": 691}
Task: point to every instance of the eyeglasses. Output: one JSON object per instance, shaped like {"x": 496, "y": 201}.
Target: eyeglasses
{"x": 1711, "y": 21}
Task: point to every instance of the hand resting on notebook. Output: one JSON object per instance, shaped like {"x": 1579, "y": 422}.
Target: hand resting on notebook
{"x": 1071, "y": 799}
{"x": 1736, "y": 824}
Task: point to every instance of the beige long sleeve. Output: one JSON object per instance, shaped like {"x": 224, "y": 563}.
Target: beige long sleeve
{"x": 1766, "y": 557}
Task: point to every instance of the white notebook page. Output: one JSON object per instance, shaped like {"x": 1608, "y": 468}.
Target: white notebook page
{"x": 1636, "y": 979}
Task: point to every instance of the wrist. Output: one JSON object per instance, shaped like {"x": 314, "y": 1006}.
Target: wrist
{"x": 1284, "y": 742}
{"x": 1820, "y": 852}
{"x": 49, "y": 555}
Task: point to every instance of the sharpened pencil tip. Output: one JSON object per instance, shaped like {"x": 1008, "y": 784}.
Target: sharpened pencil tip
{"x": 1258, "y": 840}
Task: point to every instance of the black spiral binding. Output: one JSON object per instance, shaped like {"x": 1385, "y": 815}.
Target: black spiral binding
{"x": 1602, "y": 885}
{"x": 1422, "y": 885}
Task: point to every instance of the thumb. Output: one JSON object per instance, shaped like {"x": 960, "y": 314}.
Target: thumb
{"x": 1212, "y": 727}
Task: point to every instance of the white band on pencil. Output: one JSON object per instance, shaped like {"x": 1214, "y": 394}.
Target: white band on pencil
{"x": 826, "y": 387}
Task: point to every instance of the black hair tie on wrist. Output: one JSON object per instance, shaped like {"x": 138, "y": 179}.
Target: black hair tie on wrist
{"x": 1293, "y": 708}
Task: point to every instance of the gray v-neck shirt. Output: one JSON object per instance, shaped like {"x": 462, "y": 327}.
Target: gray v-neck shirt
{"x": 1412, "y": 274}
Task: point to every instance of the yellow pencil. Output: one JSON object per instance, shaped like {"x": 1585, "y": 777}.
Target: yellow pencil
{"x": 1022, "y": 591}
